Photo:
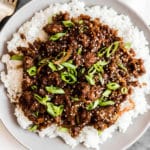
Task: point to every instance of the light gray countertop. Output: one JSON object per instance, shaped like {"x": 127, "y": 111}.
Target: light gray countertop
{"x": 144, "y": 142}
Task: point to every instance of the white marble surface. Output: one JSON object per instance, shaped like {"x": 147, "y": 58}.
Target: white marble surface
{"x": 142, "y": 7}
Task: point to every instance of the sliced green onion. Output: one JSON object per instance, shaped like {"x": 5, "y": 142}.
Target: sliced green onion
{"x": 83, "y": 29}
{"x": 35, "y": 114}
{"x": 122, "y": 67}
{"x": 79, "y": 51}
{"x": 68, "y": 23}
{"x": 127, "y": 45}
{"x": 92, "y": 105}
{"x": 72, "y": 71}
{"x": 41, "y": 100}
{"x": 90, "y": 79}
{"x": 54, "y": 110}
{"x": 69, "y": 65}
{"x": 60, "y": 55}
{"x": 124, "y": 90}
{"x": 107, "y": 93}
{"x": 54, "y": 90}
{"x": 33, "y": 87}
{"x": 102, "y": 63}
{"x": 112, "y": 48}
{"x": 60, "y": 67}
{"x": 71, "y": 68}
{"x": 113, "y": 86}
{"x": 99, "y": 68}
{"x": 101, "y": 79}
{"x": 57, "y": 36}
{"x": 74, "y": 99}
{"x": 70, "y": 61}
{"x": 92, "y": 70}
{"x": 68, "y": 77}
{"x": 17, "y": 57}
{"x": 63, "y": 129}
{"x": 33, "y": 128}
{"x": 80, "y": 21}
{"x": 32, "y": 71}
{"x": 101, "y": 52}
{"x": 82, "y": 70}
{"x": 106, "y": 103}
{"x": 52, "y": 66}
{"x": 43, "y": 61}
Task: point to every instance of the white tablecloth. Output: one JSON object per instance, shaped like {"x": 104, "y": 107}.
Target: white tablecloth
{"x": 142, "y": 7}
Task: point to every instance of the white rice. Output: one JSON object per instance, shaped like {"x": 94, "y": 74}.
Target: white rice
{"x": 33, "y": 30}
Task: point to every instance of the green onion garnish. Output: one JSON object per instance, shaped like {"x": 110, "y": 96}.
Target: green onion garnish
{"x": 79, "y": 51}
{"x": 68, "y": 23}
{"x": 107, "y": 103}
{"x": 113, "y": 86}
{"x": 52, "y": 66}
{"x": 80, "y": 22}
{"x": 17, "y": 57}
{"x": 82, "y": 70}
{"x": 33, "y": 87}
{"x": 54, "y": 90}
{"x": 107, "y": 93}
{"x": 43, "y": 61}
{"x": 61, "y": 54}
{"x": 33, "y": 128}
{"x": 73, "y": 72}
{"x": 102, "y": 63}
{"x": 35, "y": 114}
{"x": 54, "y": 110}
{"x": 92, "y": 70}
{"x": 101, "y": 52}
{"x": 90, "y": 79}
{"x": 98, "y": 68}
{"x": 99, "y": 102}
{"x": 127, "y": 45}
{"x": 68, "y": 77}
{"x": 124, "y": 90}
{"x": 32, "y": 71}
{"x": 101, "y": 79}
{"x": 92, "y": 105}
{"x": 41, "y": 100}
{"x": 109, "y": 50}
{"x": 63, "y": 129}
{"x": 75, "y": 98}
{"x": 57, "y": 36}
{"x": 112, "y": 48}
{"x": 60, "y": 67}
{"x": 71, "y": 68}
{"x": 69, "y": 65}
{"x": 70, "y": 61}
{"x": 122, "y": 67}
{"x": 83, "y": 29}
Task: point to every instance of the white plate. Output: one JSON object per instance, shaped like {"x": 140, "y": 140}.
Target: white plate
{"x": 32, "y": 141}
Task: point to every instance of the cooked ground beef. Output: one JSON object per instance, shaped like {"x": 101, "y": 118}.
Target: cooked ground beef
{"x": 79, "y": 76}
